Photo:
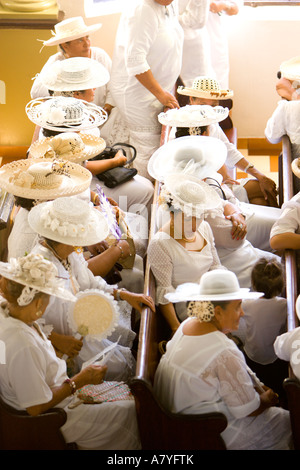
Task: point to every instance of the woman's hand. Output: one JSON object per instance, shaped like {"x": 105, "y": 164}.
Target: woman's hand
{"x": 120, "y": 159}
{"x": 239, "y": 227}
{"x": 137, "y": 301}
{"x": 268, "y": 188}
{"x": 93, "y": 374}
{"x": 66, "y": 344}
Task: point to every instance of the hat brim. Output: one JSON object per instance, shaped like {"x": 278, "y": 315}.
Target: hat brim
{"x": 77, "y": 182}
{"x": 94, "y": 315}
{"x": 93, "y": 146}
{"x": 193, "y": 116}
{"x": 97, "y": 233}
{"x": 94, "y": 116}
{"x": 241, "y": 294}
{"x": 55, "y": 41}
{"x": 163, "y": 162}
{"x": 49, "y": 77}
{"x": 290, "y": 69}
{"x": 295, "y": 165}
{"x": 57, "y": 291}
{"x": 210, "y": 95}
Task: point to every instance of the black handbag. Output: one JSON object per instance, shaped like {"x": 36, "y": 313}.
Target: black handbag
{"x": 116, "y": 176}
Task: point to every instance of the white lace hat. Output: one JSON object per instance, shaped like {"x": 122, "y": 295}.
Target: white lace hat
{"x": 208, "y": 155}
{"x": 189, "y": 195}
{"x": 71, "y": 146}
{"x": 63, "y": 114}
{"x": 42, "y": 179}
{"x": 205, "y": 87}
{"x": 70, "y": 29}
{"x": 74, "y": 74}
{"x": 290, "y": 69}
{"x": 218, "y": 284}
{"x": 38, "y": 275}
{"x": 70, "y": 221}
{"x": 193, "y": 116}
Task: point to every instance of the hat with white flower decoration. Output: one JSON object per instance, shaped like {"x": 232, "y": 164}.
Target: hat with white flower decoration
{"x": 188, "y": 194}
{"x": 71, "y": 146}
{"x": 62, "y": 114}
{"x": 37, "y": 274}
{"x": 71, "y": 29}
{"x": 193, "y": 116}
{"x": 44, "y": 179}
{"x": 70, "y": 221}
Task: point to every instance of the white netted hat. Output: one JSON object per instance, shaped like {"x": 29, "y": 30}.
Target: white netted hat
{"x": 62, "y": 114}
{"x": 193, "y": 116}
{"x": 205, "y": 87}
{"x": 71, "y": 146}
{"x": 189, "y": 195}
{"x": 70, "y": 29}
{"x": 38, "y": 275}
{"x": 74, "y": 74}
{"x": 208, "y": 155}
{"x": 70, "y": 221}
{"x": 218, "y": 284}
{"x": 44, "y": 179}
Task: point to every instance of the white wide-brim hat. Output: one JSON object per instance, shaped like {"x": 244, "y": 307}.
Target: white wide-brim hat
{"x": 69, "y": 146}
{"x": 70, "y": 221}
{"x": 95, "y": 315}
{"x": 208, "y": 153}
{"x": 290, "y": 69}
{"x": 37, "y": 273}
{"x": 19, "y": 179}
{"x": 193, "y": 116}
{"x": 295, "y": 165}
{"x": 74, "y": 74}
{"x": 70, "y": 29}
{"x": 205, "y": 87}
{"x": 63, "y": 114}
{"x": 215, "y": 285}
{"x": 190, "y": 195}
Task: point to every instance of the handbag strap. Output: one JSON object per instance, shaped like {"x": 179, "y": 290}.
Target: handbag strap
{"x": 121, "y": 144}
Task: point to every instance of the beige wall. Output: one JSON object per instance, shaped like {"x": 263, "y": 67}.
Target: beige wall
{"x": 257, "y": 47}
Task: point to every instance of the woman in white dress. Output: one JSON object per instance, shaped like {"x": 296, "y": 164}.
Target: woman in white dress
{"x": 34, "y": 379}
{"x": 145, "y": 66}
{"x": 183, "y": 248}
{"x": 203, "y": 371}
{"x": 64, "y": 224}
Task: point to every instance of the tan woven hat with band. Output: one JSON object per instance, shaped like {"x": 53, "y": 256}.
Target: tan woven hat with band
{"x": 205, "y": 87}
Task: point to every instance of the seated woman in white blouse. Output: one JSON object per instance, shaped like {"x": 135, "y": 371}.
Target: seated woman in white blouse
{"x": 203, "y": 371}
{"x": 183, "y": 248}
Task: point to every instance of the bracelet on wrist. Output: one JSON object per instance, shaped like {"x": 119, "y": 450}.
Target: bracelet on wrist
{"x": 250, "y": 165}
{"x": 118, "y": 292}
{"x": 122, "y": 252}
{"x": 95, "y": 197}
{"x": 72, "y": 385}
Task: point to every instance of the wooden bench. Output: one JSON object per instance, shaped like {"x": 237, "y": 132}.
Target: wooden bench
{"x": 160, "y": 429}
{"x": 291, "y": 384}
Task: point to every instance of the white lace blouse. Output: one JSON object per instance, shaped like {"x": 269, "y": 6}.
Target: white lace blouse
{"x": 172, "y": 264}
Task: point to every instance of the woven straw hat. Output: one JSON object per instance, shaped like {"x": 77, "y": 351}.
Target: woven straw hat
{"x": 218, "y": 284}
{"x": 207, "y": 153}
{"x": 62, "y": 114}
{"x": 74, "y": 74}
{"x": 70, "y": 29}
{"x": 42, "y": 179}
{"x": 193, "y": 116}
{"x": 38, "y": 273}
{"x": 205, "y": 87}
{"x": 69, "y": 146}
{"x": 290, "y": 69}
{"x": 70, "y": 221}
{"x": 189, "y": 195}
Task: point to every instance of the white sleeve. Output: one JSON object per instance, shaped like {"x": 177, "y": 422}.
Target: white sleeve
{"x": 194, "y": 15}
{"x": 161, "y": 264}
{"x": 276, "y": 127}
{"x": 38, "y": 90}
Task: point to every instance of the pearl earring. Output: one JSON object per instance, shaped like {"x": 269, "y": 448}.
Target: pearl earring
{"x": 39, "y": 313}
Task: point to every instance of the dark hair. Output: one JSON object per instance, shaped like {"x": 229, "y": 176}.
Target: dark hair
{"x": 185, "y": 131}
{"x": 267, "y": 277}
{"x": 23, "y": 202}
